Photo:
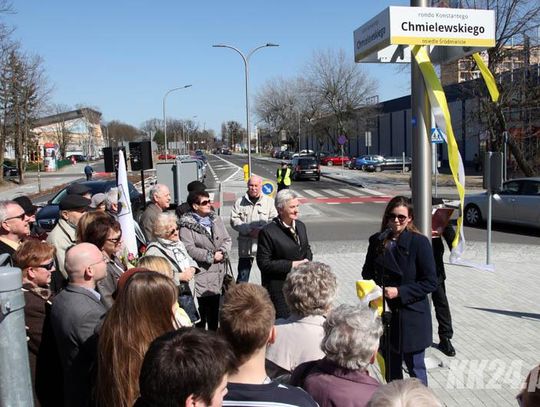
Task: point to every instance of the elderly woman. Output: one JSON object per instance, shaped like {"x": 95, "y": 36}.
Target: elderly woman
{"x": 400, "y": 259}
{"x": 209, "y": 243}
{"x": 167, "y": 244}
{"x": 36, "y": 260}
{"x": 309, "y": 291}
{"x": 282, "y": 245}
{"x": 350, "y": 343}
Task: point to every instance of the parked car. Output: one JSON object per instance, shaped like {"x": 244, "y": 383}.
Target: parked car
{"x": 335, "y": 160}
{"x": 78, "y": 157}
{"x": 166, "y": 157}
{"x": 305, "y": 167}
{"x": 518, "y": 202}
{"x": 10, "y": 171}
{"x": 303, "y": 153}
{"x": 391, "y": 163}
{"x": 362, "y": 161}
{"x": 48, "y": 215}
{"x": 226, "y": 151}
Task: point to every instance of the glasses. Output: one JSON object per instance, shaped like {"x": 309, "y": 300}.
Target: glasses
{"x": 205, "y": 202}
{"x": 393, "y": 216}
{"x": 49, "y": 266}
{"x": 173, "y": 230}
{"x": 21, "y": 217}
{"x": 115, "y": 240}
{"x": 104, "y": 259}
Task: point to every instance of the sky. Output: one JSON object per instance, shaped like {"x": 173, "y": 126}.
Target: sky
{"x": 122, "y": 56}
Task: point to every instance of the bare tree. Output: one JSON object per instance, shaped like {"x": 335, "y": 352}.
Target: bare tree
{"x": 514, "y": 20}
{"x": 119, "y": 132}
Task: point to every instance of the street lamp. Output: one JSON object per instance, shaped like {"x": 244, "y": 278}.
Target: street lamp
{"x": 246, "y": 67}
{"x": 165, "y": 118}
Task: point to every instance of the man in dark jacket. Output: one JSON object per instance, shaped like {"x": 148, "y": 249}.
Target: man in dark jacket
{"x": 283, "y": 244}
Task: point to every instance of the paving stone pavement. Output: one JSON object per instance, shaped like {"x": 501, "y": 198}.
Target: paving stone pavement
{"x": 496, "y": 319}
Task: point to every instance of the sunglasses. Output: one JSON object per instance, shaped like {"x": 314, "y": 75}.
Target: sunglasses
{"x": 49, "y": 266}
{"x": 205, "y": 202}
{"x": 115, "y": 240}
{"x": 400, "y": 218}
{"x": 21, "y": 217}
{"x": 173, "y": 230}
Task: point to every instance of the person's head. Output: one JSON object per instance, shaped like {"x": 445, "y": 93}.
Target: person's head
{"x": 200, "y": 202}
{"x": 166, "y": 226}
{"x": 529, "y": 396}
{"x": 89, "y": 218}
{"x": 14, "y": 221}
{"x": 142, "y": 311}
{"x": 247, "y": 319}
{"x": 98, "y": 202}
{"x": 72, "y": 207}
{"x": 85, "y": 264}
{"x": 160, "y": 195}
{"x": 254, "y": 186}
{"x": 310, "y": 289}
{"x": 404, "y": 393}
{"x": 284, "y": 164}
{"x": 351, "y": 336}
{"x": 79, "y": 189}
{"x": 158, "y": 264}
{"x": 196, "y": 186}
{"x": 398, "y": 215}
{"x": 287, "y": 205}
{"x": 105, "y": 234}
{"x": 36, "y": 260}
{"x": 111, "y": 200}
{"x": 187, "y": 367}
{"x": 29, "y": 208}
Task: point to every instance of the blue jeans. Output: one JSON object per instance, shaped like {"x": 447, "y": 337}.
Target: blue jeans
{"x": 244, "y": 268}
{"x": 415, "y": 365}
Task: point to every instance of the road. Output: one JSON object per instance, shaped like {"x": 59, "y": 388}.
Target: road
{"x": 335, "y": 211}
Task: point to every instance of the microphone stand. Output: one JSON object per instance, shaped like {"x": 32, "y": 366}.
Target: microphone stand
{"x": 386, "y": 319}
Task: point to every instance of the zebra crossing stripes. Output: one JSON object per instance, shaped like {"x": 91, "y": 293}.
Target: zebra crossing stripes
{"x": 333, "y": 196}
{"x": 312, "y": 193}
{"x": 373, "y": 192}
{"x": 334, "y": 193}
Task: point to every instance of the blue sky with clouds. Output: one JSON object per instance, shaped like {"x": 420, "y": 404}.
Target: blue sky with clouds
{"x": 122, "y": 56}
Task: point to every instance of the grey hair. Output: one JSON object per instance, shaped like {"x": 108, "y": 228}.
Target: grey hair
{"x": 111, "y": 197}
{"x": 310, "y": 289}
{"x": 404, "y": 393}
{"x": 155, "y": 190}
{"x": 162, "y": 223}
{"x": 4, "y": 209}
{"x": 284, "y": 196}
{"x": 351, "y": 336}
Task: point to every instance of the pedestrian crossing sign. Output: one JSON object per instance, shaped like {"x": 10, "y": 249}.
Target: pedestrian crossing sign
{"x": 436, "y": 136}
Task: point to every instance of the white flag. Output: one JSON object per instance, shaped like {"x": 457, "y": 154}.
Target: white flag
{"x": 125, "y": 217}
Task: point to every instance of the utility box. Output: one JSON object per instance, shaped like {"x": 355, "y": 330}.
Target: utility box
{"x": 177, "y": 175}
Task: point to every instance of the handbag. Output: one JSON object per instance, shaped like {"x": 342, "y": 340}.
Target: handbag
{"x": 228, "y": 279}
{"x": 187, "y": 302}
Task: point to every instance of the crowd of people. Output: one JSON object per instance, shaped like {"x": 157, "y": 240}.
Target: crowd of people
{"x": 165, "y": 332}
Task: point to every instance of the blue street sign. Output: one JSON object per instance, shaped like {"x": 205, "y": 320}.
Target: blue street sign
{"x": 268, "y": 188}
{"x": 342, "y": 140}
{"x": 436, "y": 136}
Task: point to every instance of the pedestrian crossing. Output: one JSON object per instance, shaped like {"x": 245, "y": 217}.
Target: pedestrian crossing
{"x": 335, "y": 196}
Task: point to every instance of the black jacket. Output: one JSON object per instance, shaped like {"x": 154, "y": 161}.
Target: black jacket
{"x": 412, "y": 269}
{"x": 277, "y": 249}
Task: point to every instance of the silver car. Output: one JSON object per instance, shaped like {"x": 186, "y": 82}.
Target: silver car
{"x": 518, "y": 203}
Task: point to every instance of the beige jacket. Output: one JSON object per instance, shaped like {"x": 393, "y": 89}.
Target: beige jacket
{"x": 246, "y": 217}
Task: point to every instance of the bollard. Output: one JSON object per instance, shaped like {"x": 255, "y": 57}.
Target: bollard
{"x": 15, "y": 382}
{"x": 246, "y": 172}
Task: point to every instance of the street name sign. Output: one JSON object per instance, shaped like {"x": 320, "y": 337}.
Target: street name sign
{"x": 386, "y": 36}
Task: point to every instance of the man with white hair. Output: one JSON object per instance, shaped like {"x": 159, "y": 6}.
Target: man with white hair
{"x": 76, "y": 316}
{"x": 249, "y": 215}
{"x": 160, "y": 198}
{"x": 14, "y": 226}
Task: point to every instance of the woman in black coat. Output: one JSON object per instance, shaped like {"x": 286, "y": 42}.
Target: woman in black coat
{"x": 283, "y": 244}
{"x": 403, "y": 257}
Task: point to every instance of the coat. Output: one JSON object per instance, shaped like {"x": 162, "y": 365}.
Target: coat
{"x": 175, "y": 252}
{"x": 148, "y": 218}
{"x": 76, "y": 316}
{"x": 331, "y": 385}
{"x": 62, "y": 236}
{"x": 412, "y": 269}
{"x": 247, "y": 216}
{"x": 107, "y": 286}
{"x": 201, "y": 246}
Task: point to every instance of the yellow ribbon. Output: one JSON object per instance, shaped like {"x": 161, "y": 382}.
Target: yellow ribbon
{"x": 441, "y": 113}
{"x": 488, "y": 77}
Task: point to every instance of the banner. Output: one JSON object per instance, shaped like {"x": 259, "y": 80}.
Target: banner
{"x": 125, "y": 217}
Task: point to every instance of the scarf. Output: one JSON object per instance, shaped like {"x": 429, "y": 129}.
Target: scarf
{"x": 205, "y": 221}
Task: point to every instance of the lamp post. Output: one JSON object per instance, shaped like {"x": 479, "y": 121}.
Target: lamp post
{"x": 246, "y": 68}
{"x": 165, "y": 118}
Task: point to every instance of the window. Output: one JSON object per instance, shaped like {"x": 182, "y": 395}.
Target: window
{"x": 531, "y": 188}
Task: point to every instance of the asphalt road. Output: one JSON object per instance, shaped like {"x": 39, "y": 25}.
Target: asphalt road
{"x": 337, "y": 212}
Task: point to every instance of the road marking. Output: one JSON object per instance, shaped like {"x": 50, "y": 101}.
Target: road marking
{"x": 333, "y": 193}
{"x": 373, "y": 192}
{"x": 333, "y": 203}
{"x": 312, "y": 193}
{"x": 351, "y": 191}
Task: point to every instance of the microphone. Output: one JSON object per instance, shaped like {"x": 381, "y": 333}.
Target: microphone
{"x": 384, "y": 234}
